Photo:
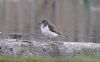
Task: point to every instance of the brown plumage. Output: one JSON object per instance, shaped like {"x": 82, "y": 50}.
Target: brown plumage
{"x": 54, "y": 29}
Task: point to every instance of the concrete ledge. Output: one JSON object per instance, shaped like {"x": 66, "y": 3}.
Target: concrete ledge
{"x": 51, "y": 49}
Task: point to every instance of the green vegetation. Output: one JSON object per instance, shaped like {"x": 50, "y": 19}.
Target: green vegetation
{"x": 87, "y": 3}
{"x": 73, "y": 59}
{"x": 89, "y": 52}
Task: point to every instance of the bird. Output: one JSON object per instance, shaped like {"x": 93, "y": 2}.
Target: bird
{"x": 49, "y": 30}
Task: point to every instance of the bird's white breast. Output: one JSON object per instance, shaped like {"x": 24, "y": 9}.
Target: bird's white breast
{"x": 45, "y": 30}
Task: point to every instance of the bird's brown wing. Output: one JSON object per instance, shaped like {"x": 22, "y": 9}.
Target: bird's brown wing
{"x": 54, "y": 29}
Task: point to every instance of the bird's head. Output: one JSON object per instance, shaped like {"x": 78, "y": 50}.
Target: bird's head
{"x": 44, "y": 22}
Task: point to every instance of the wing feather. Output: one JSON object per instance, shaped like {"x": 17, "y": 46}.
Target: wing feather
{"x": 54, "y": 29}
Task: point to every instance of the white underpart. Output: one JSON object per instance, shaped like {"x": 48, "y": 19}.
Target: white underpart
{"x": 47, "y": 32}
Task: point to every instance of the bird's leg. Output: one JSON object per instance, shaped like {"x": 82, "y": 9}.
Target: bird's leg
{"x": 46, "y": 39}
